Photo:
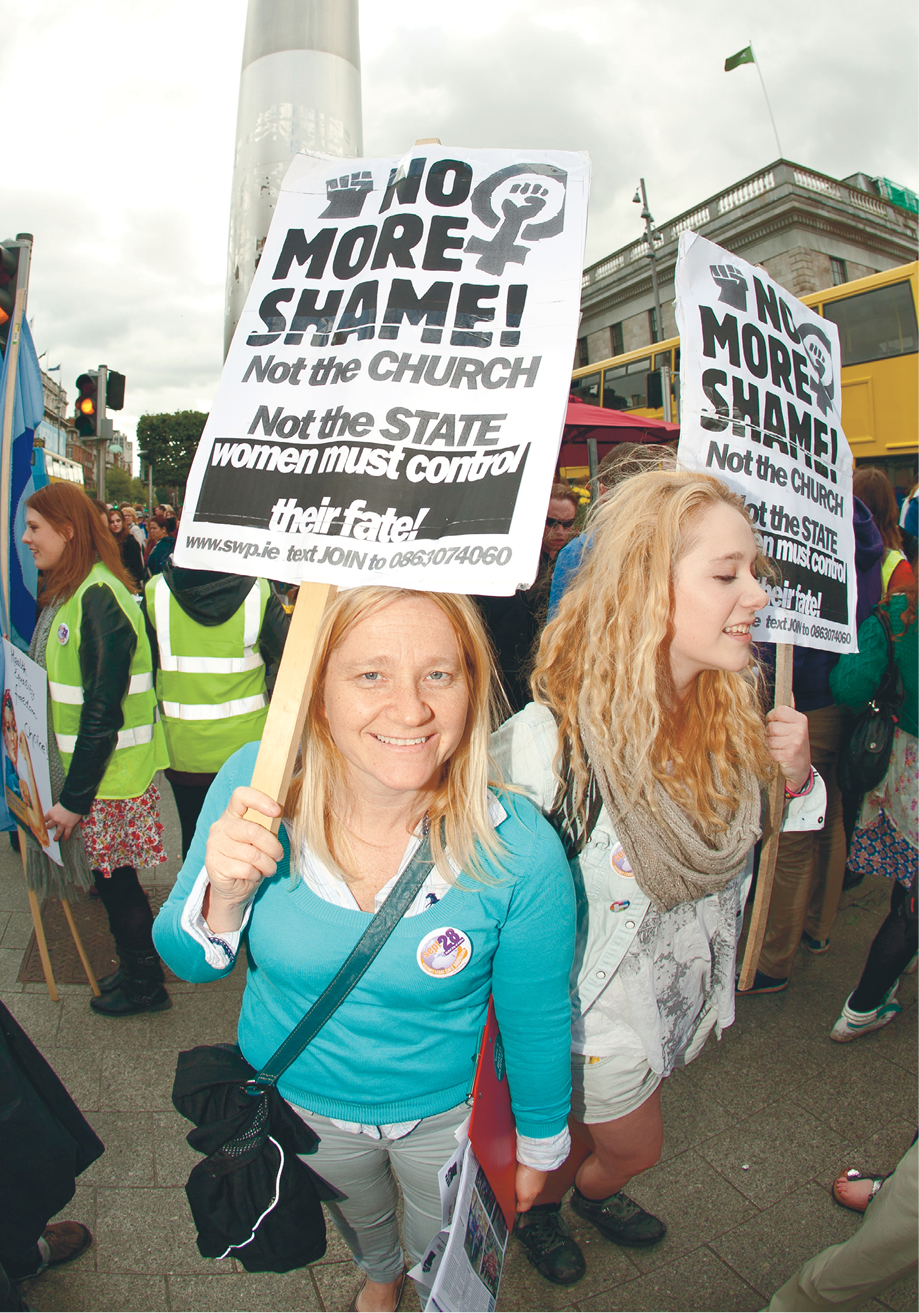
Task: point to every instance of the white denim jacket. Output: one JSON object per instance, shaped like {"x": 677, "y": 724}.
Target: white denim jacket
{"x": 611, "y": 906}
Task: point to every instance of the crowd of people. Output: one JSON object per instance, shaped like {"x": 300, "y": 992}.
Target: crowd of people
{"x": 574, "y": 778}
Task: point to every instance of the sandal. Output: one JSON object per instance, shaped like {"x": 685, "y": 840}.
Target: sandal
{"x": 850, "y": 1177}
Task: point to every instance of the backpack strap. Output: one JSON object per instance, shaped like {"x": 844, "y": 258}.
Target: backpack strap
{"x": 573, "y": 828}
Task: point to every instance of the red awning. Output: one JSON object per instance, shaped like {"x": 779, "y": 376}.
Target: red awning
{"x": 608, "y": 427}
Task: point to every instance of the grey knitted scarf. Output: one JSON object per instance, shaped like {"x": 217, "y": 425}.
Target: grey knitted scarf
{"x": 671, "y": 861}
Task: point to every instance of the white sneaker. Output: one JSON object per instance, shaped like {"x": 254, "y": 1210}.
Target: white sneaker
{"x": 851, "y": 1024}
{"x": 910, "y": 968}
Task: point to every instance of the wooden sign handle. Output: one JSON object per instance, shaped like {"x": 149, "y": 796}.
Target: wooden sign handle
{"x": 274, "y": 765}
{"x": 784, "y": 662}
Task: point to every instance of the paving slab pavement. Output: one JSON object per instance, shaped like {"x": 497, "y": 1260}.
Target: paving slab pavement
{"x": 755, "y": 1132}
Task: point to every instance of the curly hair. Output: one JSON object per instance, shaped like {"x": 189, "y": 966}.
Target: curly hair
{"x": 604, "y": 660}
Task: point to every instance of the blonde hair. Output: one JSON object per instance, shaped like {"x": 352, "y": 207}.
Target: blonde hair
{"x": 604, "y": 659}
{"x": 458, "y": 810}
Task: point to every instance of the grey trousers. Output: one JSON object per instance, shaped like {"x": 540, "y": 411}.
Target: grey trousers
{"x": 366, "y": 1173}
{"x": 811, "y": 864}
{"x": 883, "y": 1250}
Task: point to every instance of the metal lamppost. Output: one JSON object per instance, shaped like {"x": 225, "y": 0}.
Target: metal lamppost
{"x": 641, "y": 198}
{"x": 651, "y": 237}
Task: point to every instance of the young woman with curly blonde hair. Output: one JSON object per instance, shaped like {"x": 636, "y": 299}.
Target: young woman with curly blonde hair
{"x": 648, "y": 747}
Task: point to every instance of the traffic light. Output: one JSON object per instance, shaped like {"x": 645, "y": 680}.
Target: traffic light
{"x": 9, "y": 268}
{"x": 86, "y": 419}
{"x": 114, "y": 390}
{"x": 14, "y": 273}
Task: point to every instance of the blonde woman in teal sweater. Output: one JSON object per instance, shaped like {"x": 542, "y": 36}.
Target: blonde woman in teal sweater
{"x": 395, "y": 746}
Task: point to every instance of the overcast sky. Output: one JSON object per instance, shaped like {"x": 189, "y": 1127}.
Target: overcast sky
{"x": 119, "y": 128}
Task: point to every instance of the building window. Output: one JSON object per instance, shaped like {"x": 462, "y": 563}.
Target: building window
{"x": 615, "y": 339}
{"x": 582, "y": 353}
{"x": 652, "y": 324}
{"x": 838, "y": 271}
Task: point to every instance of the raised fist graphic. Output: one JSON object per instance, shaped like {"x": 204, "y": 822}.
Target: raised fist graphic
{"x": 732, "y": 283}
{"x": 347, "y": 195}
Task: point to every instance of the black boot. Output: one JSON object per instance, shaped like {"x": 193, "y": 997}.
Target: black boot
{"x": 548, "y": 1245}
{"x": 141, "y": 988}
{"x": 111, "y": 981}
{"x": 852, "y": 879}
{"x": 137, "y": 985}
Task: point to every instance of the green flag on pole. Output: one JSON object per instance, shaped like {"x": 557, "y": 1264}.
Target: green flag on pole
{"x": 744, "y": 56}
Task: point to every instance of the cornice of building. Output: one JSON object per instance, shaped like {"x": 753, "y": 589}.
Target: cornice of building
{"x": 736, "y": 216}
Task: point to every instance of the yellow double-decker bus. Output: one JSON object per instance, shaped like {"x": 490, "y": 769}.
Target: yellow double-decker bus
{"x": 879, "y": 342}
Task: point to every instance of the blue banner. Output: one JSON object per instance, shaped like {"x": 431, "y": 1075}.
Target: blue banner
{"x": 28, "y": 409}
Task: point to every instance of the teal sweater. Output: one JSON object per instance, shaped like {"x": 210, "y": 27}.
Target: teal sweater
{"x": 856, "y": 677}
{"x": 403, "y": 1044}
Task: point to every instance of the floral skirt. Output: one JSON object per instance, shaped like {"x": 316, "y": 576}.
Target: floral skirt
{"x": 124, "y": 832}
{"x": 880, "y": 849}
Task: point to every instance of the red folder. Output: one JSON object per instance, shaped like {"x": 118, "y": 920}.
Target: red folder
{"x": 491, "y": 1127}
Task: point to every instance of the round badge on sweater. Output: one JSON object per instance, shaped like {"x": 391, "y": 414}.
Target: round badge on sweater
{"x": 63, "y": 633}
{"x": 444, "y": 952}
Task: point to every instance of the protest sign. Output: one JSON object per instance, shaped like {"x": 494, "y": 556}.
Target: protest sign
{"x": 391, "y": 406}
{"x": 760, "y": 396}
{"x": 25, "y": 745}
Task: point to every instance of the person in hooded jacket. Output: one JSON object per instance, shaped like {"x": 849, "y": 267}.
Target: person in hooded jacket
{"x": 810, "y": 866}
{"x": 212, "y": 636}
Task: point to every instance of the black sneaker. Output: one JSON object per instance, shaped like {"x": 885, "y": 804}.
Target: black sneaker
{"x": 620, "y": 1219}
{"x": 763, "y": 984}
{"x": 548, "y": 1245}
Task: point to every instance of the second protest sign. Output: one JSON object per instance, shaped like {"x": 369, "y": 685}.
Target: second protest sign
{"x": 760, "y": 396}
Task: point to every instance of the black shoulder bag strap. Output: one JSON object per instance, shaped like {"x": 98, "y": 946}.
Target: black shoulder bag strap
{"x": 359, "y": 959}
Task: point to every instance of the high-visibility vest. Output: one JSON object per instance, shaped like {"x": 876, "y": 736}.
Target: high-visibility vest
{"x": 140, "y": 749}
{"x": 892, "y": 559}
{"x": 211, "y": 678}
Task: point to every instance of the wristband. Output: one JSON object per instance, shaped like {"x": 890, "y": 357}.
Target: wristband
{"x": 801, "y": 793}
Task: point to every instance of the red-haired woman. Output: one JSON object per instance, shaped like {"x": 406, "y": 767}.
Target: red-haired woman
{"x": 872, "y": 486}
{"x": 107, "y": 742}
{"x": 132, "y": 557}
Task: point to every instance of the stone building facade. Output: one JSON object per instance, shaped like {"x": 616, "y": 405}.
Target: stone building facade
{"x": 809, "y": 231}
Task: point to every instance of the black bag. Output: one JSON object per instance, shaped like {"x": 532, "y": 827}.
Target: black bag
{"x": 910, "y": 908}
{"x": 45, "y": 1142}
{"x": 252, "y": 1136}
{"x": 863, "y": 762}
{"x": 248, "y": 1141}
